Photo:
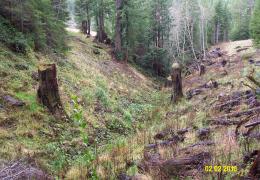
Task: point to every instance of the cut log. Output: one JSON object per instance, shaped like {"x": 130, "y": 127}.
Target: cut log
{"x": 48, "y": 91}
{"x": 242, "y": 113}
{"x": 228, "y": 105}
{"x": 178, "y": 166}
{"x": 177, "y": 93}
{"x": 224, "y": 122}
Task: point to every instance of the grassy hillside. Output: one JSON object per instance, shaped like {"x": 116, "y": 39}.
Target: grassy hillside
{"x": 116, "y": 101}
{"x": 123, "y": 109}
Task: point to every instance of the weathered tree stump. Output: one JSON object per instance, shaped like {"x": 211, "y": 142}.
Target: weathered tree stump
{"x": 202, "y": 69}
{"x": 48, "y": 91}
{"x": 176, "y": 83}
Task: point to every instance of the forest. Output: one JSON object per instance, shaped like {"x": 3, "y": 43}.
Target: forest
{"x": 129, "y": 89}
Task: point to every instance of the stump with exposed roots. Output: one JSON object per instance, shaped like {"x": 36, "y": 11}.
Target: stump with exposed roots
{"x": 177, "y": 93}
{"x": 48, "y": 91}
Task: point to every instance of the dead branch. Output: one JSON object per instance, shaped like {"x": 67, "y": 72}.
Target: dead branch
{"x": 253, "y": 124}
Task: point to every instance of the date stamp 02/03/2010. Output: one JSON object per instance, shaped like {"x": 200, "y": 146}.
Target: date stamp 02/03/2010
{"x": 231, "y": 169}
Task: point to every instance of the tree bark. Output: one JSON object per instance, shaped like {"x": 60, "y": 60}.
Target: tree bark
{"x": 118, "y": 37}
{"x": 48, "y": 91}
{"x": 176, "y": 83}
{"x": 101, "y": 35}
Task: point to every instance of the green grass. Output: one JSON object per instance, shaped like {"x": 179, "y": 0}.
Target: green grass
{"x": 31, "y": 101}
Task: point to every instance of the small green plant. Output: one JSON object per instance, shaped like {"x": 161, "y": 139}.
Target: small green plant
{"x": 88, "y": 155}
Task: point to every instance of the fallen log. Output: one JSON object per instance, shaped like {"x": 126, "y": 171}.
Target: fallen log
{"x": 228, "y": 105}
{"x": 224, "y": 122}
{"x": 242, "y": 49}
{"x": 253, "y": 124}
{"x": 242, "y": 113}
{"x": 200, "y": 143}
{"x": 179, "y": 166}
{"x": 183, "y": 131}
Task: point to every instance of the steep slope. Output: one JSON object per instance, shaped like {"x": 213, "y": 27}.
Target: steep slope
{"x": 207, "y": 137}
{"x": 132, "y": 127}
{"x": 115, "y": 98}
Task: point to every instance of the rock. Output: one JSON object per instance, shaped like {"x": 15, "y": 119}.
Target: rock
{"x": 12, "y": 101}
{"x": 96, "y": 51}
{"x": 203, "y": 133}
{"x": 21, "y": 67}
{"x": 1, "y": 107}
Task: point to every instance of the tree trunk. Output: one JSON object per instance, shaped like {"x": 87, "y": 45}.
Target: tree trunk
{"x": 48, "y": 91}
{"x": 101, "y": 26}
{"x": 176, "y": 83}
{"x": 202, "y": 69}
{"x": 88, "y": 21}
{"x": 118, "y": 37}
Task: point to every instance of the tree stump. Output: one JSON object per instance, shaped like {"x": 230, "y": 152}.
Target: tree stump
{"x": 202, "y": 69}
{"x": 176, "y": 83}
{"x": 48, "y": 91}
